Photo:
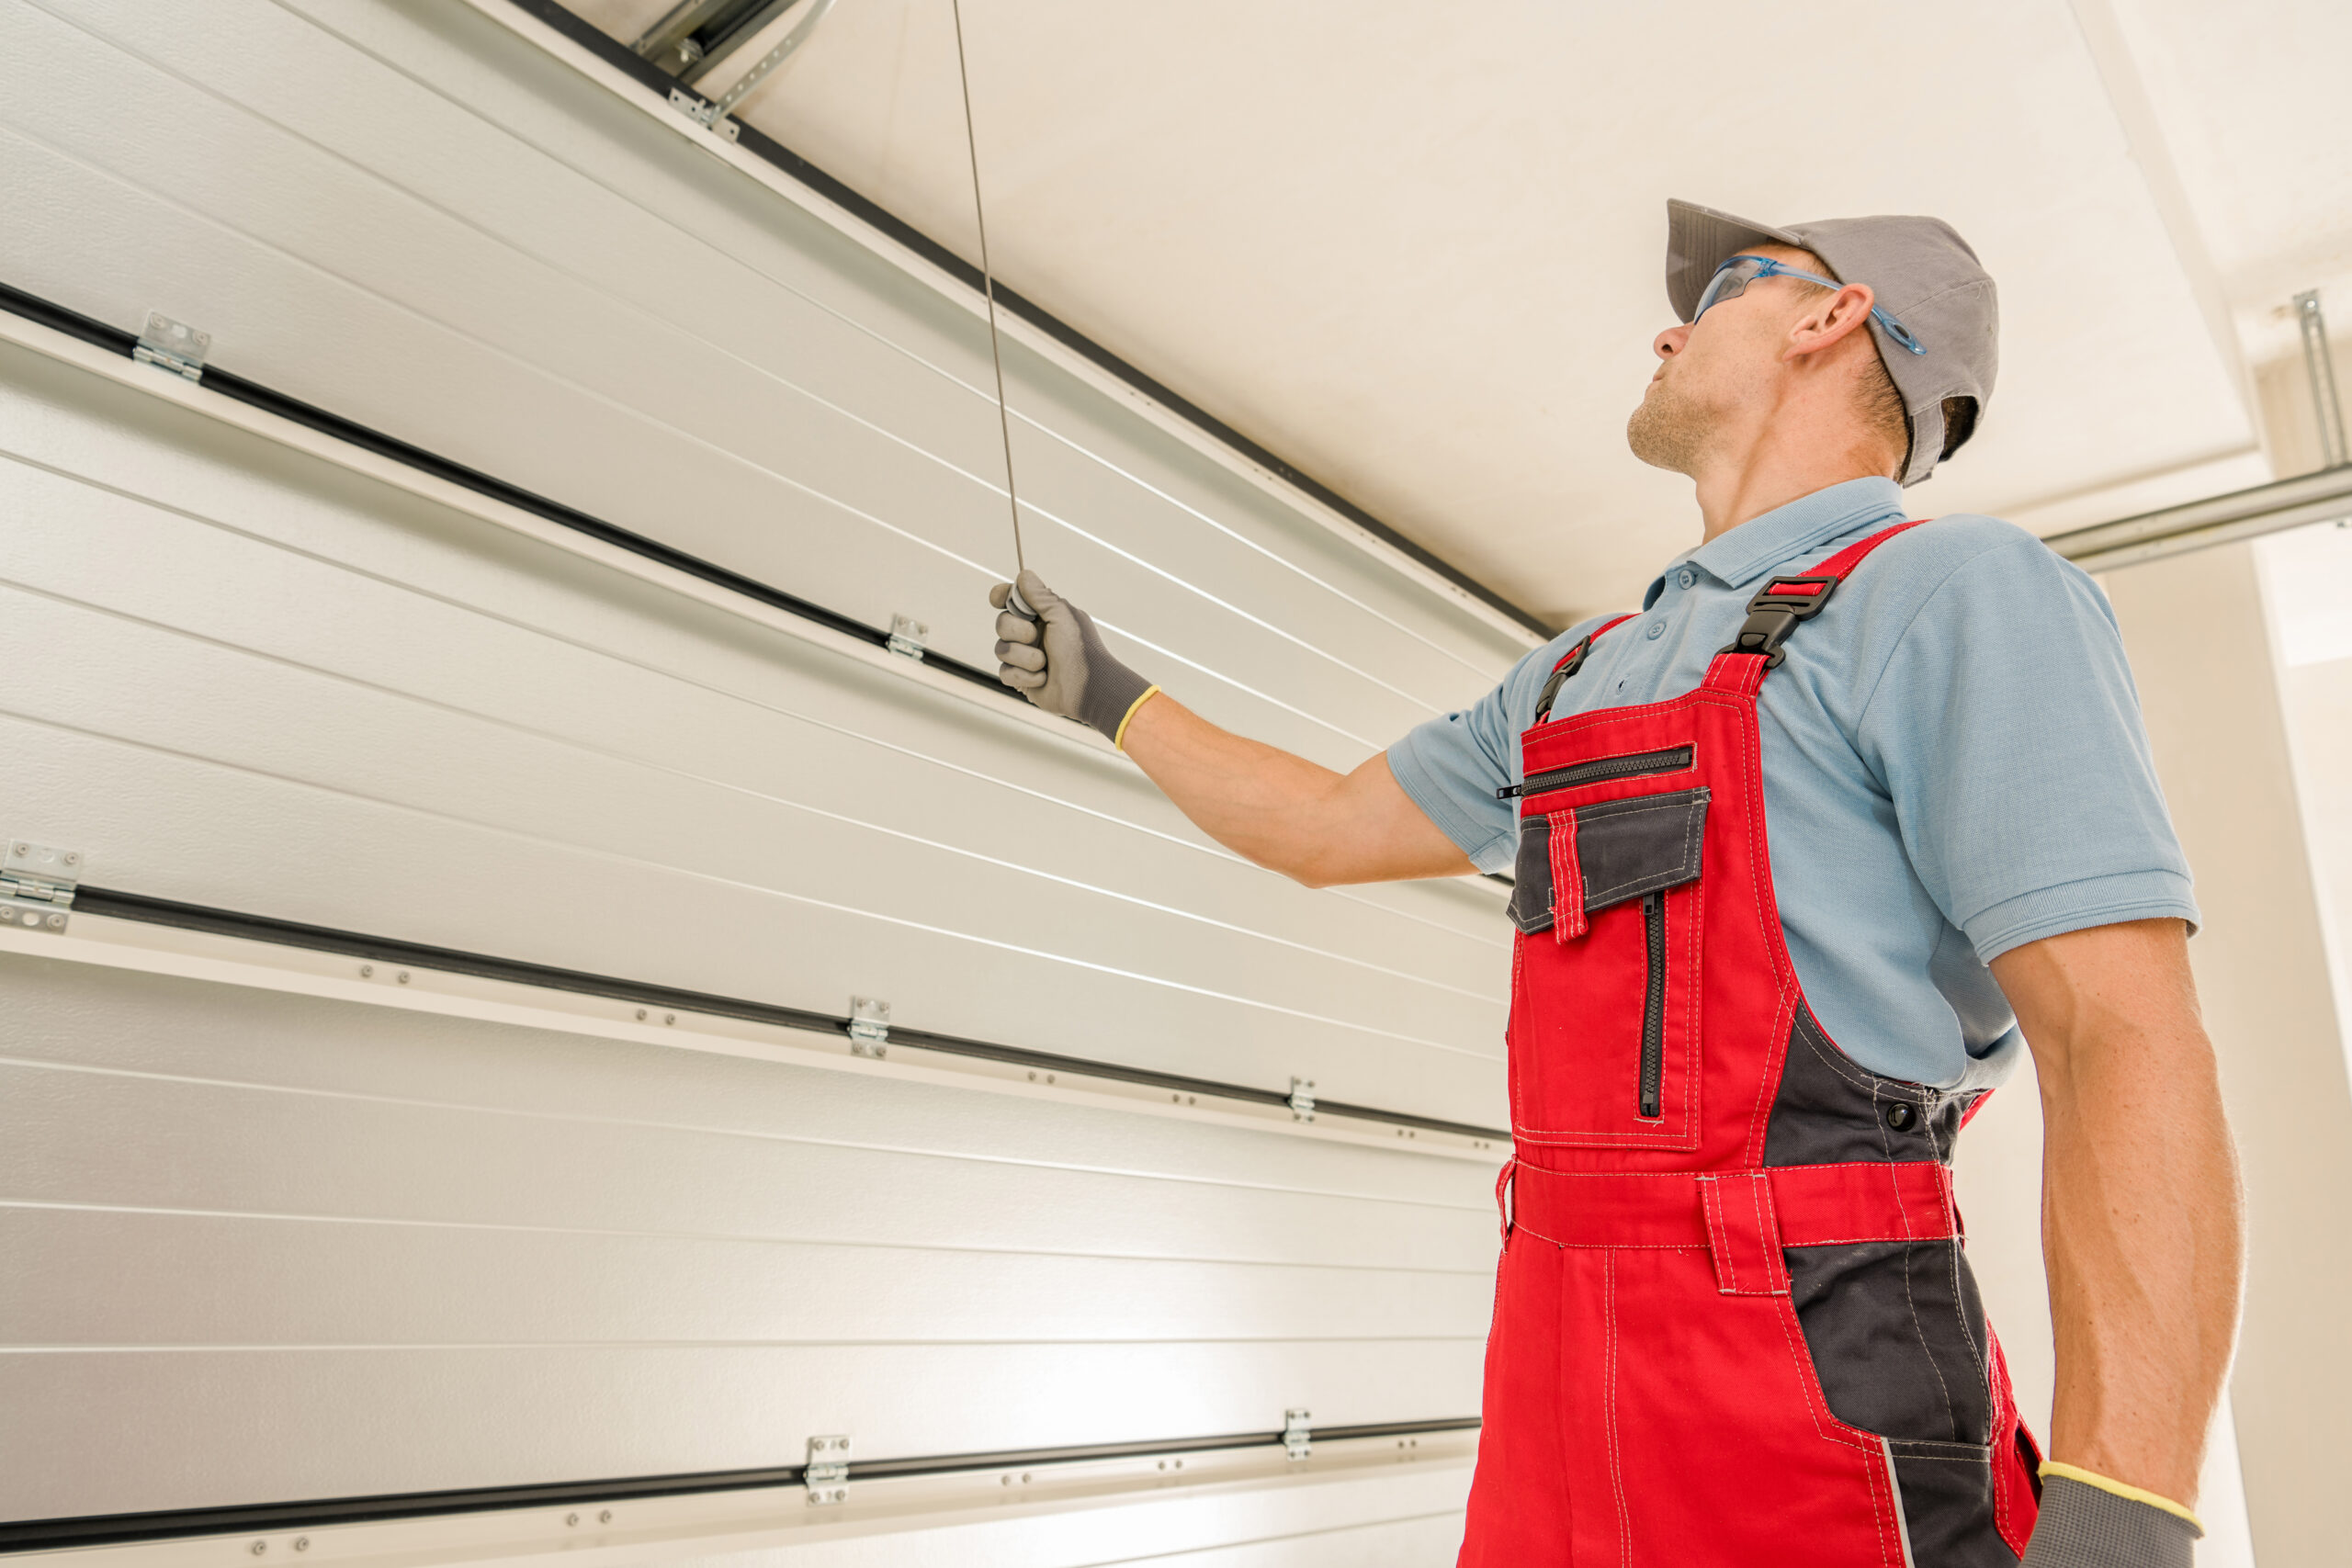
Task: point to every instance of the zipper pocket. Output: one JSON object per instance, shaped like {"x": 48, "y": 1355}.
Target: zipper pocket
{"x": 1673, "y": 760}
{"x": 1654, "y": 1007}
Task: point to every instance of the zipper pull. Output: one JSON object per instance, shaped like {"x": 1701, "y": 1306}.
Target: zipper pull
{"x": 1509, "y": 792}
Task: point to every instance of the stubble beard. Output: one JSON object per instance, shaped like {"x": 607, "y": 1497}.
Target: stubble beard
{"x": 1666, "y": 430}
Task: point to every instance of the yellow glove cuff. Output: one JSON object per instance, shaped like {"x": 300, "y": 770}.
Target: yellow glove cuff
{"x": 1120, "y": 739}
{"x": 2121, "y": 1489}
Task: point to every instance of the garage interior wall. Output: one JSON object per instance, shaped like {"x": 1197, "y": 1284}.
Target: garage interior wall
{"x": 311, "y": 1237}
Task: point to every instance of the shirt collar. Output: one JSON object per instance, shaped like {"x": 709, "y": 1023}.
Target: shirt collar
{"x": 1739, "y": 555}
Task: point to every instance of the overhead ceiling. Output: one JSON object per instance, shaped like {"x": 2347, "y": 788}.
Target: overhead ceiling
{"x": 1416, "y": 250}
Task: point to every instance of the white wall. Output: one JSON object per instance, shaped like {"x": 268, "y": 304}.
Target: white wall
{"x": 2200, "y": 643}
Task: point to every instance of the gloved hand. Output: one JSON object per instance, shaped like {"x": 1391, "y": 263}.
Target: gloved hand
{"x": 1059, "y": 661}
{"x": 2084, "y": 1524}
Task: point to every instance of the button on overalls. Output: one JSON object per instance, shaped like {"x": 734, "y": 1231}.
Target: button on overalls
{"x": 1734, "y": 1321}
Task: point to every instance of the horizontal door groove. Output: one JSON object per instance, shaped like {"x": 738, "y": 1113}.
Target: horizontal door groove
{"x": 100, "y": 1529}
{"x": 148, "y": 911}
{"x": 254, "y": 395}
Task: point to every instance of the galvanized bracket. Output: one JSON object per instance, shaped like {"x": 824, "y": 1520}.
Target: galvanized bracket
{"x": 37, "y": 885}
{"x": 1302, "y": 1099}
{"x": 827, "y": 1475}
{"x": 173, "y": 346}
{"x": 869, "y": 1035}
{"x": 1298, "y": 1437}
{"x": 767, "y": 66}
{"x": 708, "y": 116}
{"x": 907, "y": 637}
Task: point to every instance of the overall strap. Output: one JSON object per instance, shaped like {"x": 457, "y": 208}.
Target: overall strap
{"x": 1784, "y": 601}
{"x": 1570, "y": 662}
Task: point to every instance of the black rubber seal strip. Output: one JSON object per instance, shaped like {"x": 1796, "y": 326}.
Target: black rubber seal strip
{"x": 102, "y": 1529}
{"x": 766, "y": 148}
{"x": 231, "y": 385}
{"x": 121, "y": 905}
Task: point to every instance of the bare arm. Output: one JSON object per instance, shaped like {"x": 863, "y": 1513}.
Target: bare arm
{"x": 1285, "y": 812}
{"x": 2141, "y": 1207}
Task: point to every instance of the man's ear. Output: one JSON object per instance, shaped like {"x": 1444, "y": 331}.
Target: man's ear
{"x": 1830, "y": 319}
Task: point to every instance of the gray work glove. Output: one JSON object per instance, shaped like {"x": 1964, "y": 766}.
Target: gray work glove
{"x": 1059, "y": 661}
{"x": 2087, "y": 1527}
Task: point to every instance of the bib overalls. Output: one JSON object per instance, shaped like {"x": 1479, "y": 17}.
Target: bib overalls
{"x": 1734, "y": 1321}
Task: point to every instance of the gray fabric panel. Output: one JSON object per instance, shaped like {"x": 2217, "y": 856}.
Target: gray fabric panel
{"x": 1829, "y": 1110}
{"x": 2086, "y": 1526}
{"x": 1628, "y": 848}
{"x": 1531, "y": 894}
{"x": 1948, "y": 1506}
{"x": 1897, "y": 1337}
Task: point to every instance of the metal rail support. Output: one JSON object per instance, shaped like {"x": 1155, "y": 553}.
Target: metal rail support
{"x": 2319, "y": 363}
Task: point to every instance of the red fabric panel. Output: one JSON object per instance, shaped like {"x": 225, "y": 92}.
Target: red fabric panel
{"x": 1744, "y": 1233}
{"x": 1824, "y": 1204}
{"x": 1568, "y": 879}
{"x": 1815, "y": 1205}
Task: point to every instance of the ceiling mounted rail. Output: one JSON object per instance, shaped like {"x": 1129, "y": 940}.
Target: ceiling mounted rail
{"x": 2323, "y": 497}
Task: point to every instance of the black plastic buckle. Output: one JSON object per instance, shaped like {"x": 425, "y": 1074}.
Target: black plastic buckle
{"x": 1569, "y": 664}
{"x": 1774, "y": 612}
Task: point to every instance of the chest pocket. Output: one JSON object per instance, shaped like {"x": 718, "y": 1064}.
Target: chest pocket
{"x": 1605, "y": 1009}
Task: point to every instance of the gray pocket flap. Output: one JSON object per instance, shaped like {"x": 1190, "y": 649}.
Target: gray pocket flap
{"x": 1627, "y": 848}
{"x": 1531, "y": 894}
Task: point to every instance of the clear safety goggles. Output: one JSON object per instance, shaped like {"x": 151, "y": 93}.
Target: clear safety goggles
{"x": 1732, "y": 278}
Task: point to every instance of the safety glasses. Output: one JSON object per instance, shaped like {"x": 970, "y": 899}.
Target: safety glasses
{"x": 1732, "y": 278}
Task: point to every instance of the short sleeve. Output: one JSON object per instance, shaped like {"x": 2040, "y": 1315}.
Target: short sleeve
{"x": 1452, "y": 765}
{"x": 2006, "y": 730}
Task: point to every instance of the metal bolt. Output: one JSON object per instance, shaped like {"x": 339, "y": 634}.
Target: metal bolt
{"x": 259, "y": 1547}
{"x": 72, "y": 859}
{"x": 301, "y": 1543}
{"x": 56, "y": 922}
{"x": 24, "y": 848}
{"x": 1025, "y": 1478}
{"x": 669, "y": 1018}
{"x": 571, "y": 1518}
{"x": 605, "y": 1517}
{"x": 366, "y": 971}
{"x": 402, "y": 976}
{"x": 641, "y": 1015}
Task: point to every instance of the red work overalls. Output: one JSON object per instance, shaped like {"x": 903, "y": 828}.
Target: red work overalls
{"x": 1733, "y": 1322}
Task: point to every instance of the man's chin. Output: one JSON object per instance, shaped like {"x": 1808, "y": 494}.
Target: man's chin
{"x": 1661, "y": 442}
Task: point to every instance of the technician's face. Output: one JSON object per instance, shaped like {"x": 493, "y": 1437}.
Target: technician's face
{"x": 1712, "y": 368}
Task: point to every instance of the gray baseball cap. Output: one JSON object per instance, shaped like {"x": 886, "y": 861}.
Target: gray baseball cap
{"x": 1924, "y": 275}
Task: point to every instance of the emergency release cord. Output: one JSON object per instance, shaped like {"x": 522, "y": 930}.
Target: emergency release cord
{"x": 1013, "y": 602}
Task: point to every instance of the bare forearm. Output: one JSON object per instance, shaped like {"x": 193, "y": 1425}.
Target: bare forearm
{"x": 1283, "y": 811}
{"x": 2140, "y": 1202}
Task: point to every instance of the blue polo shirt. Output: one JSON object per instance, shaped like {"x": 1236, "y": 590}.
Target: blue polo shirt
{"x": 1955, "y": 764}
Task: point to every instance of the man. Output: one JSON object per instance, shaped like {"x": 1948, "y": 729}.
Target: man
{"x": 1804, "y": 854}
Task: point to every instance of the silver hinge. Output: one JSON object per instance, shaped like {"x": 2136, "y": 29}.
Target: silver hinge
{"x": 869, "y": 1031}
{"x": 1298, "y": 1437}
{"x": 173, "y": 346}
{"x": 708, "y": 116}
{"x": 907, "y": 635}
{"x": 1302, "y": 1098}
{"x": 827, "y": 1476}
{"x": 37, "y": 885}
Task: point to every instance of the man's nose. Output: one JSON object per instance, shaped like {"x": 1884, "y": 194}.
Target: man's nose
{"x": 1668, "y": 343}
